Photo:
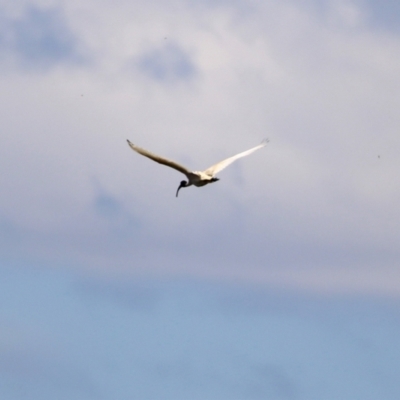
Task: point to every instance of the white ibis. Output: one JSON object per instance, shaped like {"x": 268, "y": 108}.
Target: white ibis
{"x": 196, "y": 178}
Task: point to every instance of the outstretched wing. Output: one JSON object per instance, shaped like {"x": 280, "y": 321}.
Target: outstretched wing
{"x": 158, "y": 159}
{"x": 224, "y": 163}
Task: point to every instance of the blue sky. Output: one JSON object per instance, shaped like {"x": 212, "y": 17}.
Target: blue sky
{"x": 280, "y": 281}
{"x": 67, "y": 336}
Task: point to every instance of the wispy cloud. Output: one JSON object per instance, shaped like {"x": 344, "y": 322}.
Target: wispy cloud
{"x": 384, "y": 15}
{"x": 39, "y": 39}
{"x": 121, "y": 224}
{"x": 168, "y": 63}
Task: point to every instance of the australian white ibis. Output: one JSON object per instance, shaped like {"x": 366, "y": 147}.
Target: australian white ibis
{"x": 196, "y": 178}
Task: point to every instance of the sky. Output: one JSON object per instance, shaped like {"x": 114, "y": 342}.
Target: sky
{"x": 280, "y": 281}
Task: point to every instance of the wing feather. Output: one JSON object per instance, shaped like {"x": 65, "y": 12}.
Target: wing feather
{"x": 214, "y": 169}
{"x": 158, "y": 159}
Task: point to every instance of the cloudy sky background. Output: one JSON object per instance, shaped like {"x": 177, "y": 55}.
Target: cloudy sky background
{"x": 280, "y": 281}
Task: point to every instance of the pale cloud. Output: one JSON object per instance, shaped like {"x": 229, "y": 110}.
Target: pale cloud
{"x": 322, "y": 194}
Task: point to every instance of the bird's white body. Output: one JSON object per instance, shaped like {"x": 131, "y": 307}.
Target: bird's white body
{"x": 196, "y": 178}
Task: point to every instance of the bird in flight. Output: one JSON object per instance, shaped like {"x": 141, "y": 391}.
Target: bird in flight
{"x": 196, "y": 178}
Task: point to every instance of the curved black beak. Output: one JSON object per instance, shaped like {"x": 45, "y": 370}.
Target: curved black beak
{"x": 182, "y": 184}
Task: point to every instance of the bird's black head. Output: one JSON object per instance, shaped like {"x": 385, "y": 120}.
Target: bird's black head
{"x": 182, "y": 184}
